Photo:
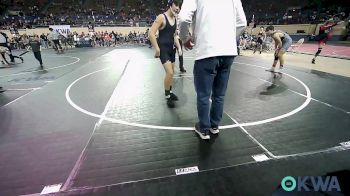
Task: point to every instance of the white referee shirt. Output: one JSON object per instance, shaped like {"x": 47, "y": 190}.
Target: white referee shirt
{"x": 214, "y": 25}
{"x": 54, "y": 35}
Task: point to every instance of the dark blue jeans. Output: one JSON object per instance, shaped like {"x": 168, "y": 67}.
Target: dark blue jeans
{"x": 211, "y": 76}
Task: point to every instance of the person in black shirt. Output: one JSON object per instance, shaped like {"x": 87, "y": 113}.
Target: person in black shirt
{"x": 115, "y": 38}
{"x": 164, "y": 47}
{"x": 36, "y": 48}
{"x": 147, "y": 38}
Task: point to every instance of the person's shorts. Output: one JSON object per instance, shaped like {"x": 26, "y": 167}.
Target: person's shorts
{"x": 167, "y": 54}
{"x": 286, "y": 43}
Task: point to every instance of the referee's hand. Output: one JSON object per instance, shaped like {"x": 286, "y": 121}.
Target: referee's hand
{"x": 188, "y": 45}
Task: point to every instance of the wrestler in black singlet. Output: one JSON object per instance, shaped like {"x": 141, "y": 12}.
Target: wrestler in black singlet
{"x": 166, "y": 42}
{"x": 260, "y": 38}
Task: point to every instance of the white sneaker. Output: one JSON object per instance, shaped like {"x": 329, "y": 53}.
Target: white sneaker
{"x": 202, "y": 133}
{"x": 272, "y": 69}
{"x": 214, "y": 130}
{"x": 279, "y": 69}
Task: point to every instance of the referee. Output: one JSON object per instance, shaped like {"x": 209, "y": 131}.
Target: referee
{"x": 54, "y": 35}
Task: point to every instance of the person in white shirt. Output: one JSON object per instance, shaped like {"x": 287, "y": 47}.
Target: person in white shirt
{"x": 4, "y": 43}
{"x": 3, "y": 60}
{"x": 54, "y": 36}
{"x": 5, "y": 49}
{"x": 216, "y": 26}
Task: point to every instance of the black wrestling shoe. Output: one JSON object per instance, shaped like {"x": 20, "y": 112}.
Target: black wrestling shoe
{"x": 170, "y": 103}
{"x": 173, "y": 97}
{"x": 313, "y": 61}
